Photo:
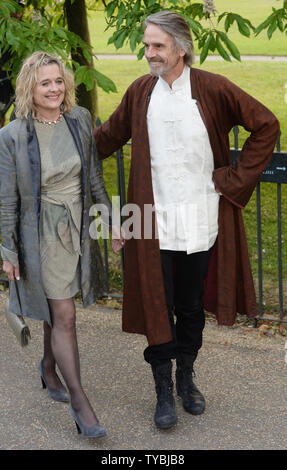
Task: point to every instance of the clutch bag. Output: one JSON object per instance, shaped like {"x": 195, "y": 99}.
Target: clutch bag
{"x": 17, "y": 323}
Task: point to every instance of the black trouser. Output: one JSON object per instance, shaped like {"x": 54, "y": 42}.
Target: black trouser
{"x": 183, "y": 277}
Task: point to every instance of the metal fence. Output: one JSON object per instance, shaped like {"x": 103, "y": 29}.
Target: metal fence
{"x": 121, "y": 185}
{"x": 275, "y": 173}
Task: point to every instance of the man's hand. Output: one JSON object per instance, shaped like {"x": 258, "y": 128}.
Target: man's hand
{"x": 13, "y": 272}
{"x": 217, "y": 189}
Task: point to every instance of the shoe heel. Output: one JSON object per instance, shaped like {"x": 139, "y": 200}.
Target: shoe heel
{"x": 43, "y": 383}
{"x": 92, "y": 432}
{"x": 58, "y": 394}
{"x": 78, "y": 428}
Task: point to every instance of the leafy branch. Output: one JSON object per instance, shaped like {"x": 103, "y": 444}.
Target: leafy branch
{"x": 44, "y": 32}
{"x": 277, "y": 20}
{"x": 126, "y": 18}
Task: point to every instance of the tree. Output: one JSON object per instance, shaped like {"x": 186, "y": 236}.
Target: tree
{"x": 61, "y": 27}
{"x": 46, "y": 30}
{"x": 126, "y": 18}
{"x": 77, "y": 21}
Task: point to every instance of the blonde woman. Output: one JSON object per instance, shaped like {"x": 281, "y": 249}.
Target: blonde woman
{"x": 49, "y": 179}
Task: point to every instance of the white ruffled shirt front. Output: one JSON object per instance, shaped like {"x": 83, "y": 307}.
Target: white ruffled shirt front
{"x": 186, "y": 203}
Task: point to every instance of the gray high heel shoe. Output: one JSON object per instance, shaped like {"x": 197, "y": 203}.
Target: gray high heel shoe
{"x": 59, "y": 394}
{"x": 92, "y": 431}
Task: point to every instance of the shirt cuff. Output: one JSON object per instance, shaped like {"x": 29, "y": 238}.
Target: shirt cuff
{"x": 8, "y": 255}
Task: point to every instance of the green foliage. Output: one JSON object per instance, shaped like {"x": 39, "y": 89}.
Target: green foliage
{"x": 126, "y": 17}
{"x": 44, "y": 32}
{"x": 277, "y": 20}
{"x": 87, "y": 75}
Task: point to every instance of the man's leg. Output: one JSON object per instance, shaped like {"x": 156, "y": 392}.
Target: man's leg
{"x": 190, "y": 273}
{"x": 159, "y": 356}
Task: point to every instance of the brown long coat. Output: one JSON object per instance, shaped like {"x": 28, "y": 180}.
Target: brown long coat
{"x": 229, "y": 287}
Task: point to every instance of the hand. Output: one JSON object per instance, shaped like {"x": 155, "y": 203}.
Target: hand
{"x": 216, "y": 189}
{"x": 117, "y": 245}
{"x": 118, "y": 240}
{"x": 12, "y": 271}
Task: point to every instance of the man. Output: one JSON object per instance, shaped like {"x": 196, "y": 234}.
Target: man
{"x": 179, "y": 119}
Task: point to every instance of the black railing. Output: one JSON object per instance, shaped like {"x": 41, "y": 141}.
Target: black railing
{"x": 121, "y": 184}
{"x": 276, "y": 173}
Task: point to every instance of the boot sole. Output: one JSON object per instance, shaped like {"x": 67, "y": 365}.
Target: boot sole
{"x": 166, "y": 426}
{"x": 192, "y": 412}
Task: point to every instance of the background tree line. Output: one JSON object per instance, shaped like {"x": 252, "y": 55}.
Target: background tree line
{"x": 61, "y": 27}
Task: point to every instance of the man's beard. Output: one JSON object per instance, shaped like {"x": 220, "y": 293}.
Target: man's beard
{"x": 160, "y": 70}
{"x": 155, "y": 68}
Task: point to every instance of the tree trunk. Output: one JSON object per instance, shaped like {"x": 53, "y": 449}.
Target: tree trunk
{"x": 76, "y": 14}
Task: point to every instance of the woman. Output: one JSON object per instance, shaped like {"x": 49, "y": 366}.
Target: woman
{"x": 49, "y": 179}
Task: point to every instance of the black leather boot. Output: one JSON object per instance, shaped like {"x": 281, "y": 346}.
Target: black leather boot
{"x": 192, "y": 399}
{"x": 165, "y": 415}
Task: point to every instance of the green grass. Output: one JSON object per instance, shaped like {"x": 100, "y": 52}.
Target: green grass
{"x": 256, "y": 11}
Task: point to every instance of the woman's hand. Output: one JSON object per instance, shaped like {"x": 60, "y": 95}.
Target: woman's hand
{"x": 118, "y": 240}
{"x": 12, "y": 271}
{"x": 117, "y": 245}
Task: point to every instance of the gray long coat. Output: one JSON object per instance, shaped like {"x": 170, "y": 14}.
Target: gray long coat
{"x": 20, "y": 195}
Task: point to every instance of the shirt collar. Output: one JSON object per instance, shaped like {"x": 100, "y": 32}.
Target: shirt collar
{"x": 180, "y": 83}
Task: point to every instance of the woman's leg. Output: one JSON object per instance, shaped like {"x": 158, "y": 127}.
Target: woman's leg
{"x": 48, "y": 361}
{"x": 65, "y": 350}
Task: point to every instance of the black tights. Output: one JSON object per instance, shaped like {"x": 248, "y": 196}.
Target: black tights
{"x": 61, "y": 348}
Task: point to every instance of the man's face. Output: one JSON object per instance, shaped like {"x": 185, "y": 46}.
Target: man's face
{"x": 161, "y": 53}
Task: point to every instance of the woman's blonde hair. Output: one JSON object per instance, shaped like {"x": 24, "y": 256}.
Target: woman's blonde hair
{"x": 27, "y": 80}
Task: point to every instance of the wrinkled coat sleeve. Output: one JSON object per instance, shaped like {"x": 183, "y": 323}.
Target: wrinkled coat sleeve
{"x": 237, "y": 182}
{"x": 8, "y": 194}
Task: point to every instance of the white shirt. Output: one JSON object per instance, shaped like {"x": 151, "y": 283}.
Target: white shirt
{"x": 186, "y": 203}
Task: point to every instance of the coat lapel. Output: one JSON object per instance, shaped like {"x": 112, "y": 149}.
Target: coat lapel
{"x": 35, "y": 163}
{"x": 205, "y": 115}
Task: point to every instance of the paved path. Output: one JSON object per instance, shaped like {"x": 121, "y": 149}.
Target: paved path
{"x": 241, "y": 372}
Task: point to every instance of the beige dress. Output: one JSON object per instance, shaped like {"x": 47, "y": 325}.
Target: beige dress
{"x": 61, "y": 210}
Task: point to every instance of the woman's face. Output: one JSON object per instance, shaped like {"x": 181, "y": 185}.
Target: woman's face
{"x": 49, "y": 91}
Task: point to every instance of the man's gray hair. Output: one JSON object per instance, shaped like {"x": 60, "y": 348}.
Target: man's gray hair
{"x": 176, "y": 26}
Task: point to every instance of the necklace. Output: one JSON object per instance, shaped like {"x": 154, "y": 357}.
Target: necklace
{"x": 59, "y": 119}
